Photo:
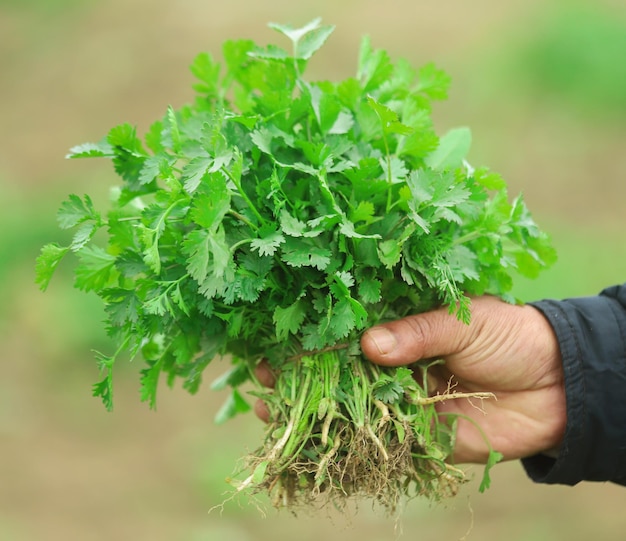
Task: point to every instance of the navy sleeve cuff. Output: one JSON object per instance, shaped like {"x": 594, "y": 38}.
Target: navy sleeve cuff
{"x": 592, "y": 337}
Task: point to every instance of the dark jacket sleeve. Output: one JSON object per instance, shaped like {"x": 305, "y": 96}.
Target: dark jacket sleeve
{"x": 592, "y": 337}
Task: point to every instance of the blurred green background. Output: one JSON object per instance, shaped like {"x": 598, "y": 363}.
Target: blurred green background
{"x": 541, "y": 83}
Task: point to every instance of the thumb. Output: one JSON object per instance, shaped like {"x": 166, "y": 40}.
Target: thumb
{"x": 422, "y": 336}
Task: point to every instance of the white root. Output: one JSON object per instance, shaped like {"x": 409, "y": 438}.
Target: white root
{"x": 280, "y": 444}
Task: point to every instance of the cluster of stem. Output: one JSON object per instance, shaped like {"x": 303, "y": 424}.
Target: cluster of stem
{"x": 331, "y": 439}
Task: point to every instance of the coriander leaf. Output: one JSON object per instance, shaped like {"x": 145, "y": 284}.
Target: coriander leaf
{"x": 47, "y": 262}
{"x": 307, "y": 39}
{"x": 171, "y": 131}
{"x": 345, "y": 279}
{"x": 388, "y": 118}
{"x": 208, "y": 254}
{"x": 75, "y": 211}
{"x": 312, "y": 40}
{"x": 493, "y": 458}
{"x": 269, "y": 242}
{"x": 179, "y": 300}
{"x": 207, "y": 71}
{"x": 154, "y": 166}
{"x": 489, "y": 179}
{"x": 387, "y": 391}
{"x": 96, "y": 269}
{"x": 194, "y": 171}
{"x": 389, "y": 252}
{"x": 452, "y": 150}
{"x": 91, "y": 150}
{"x": 234, "y": 377}
{"x": 234, "y": 405}
{"x": 150, "y": 381}
{"x": 370, "y": 290}
{"x": 212, "y": 202}
{"x": 374, "y": 66}
{"x": 298, "y": 254}
{"x": 158, "y": 302}
{"x": 124, "y": 137}
{"x": 104, "y": 390}
{"x": 395, "y": 170}
{"x": 290, "y": 225}
{"x": 151, "y": 254}
{"x": 364, "y": 212}
{"x": 342, "y": 319}
{"x": 83, "y": 235}
{"x": 122, "y": 306}
{"x": 288, "y": 320}
{"x": 433, "y": 82}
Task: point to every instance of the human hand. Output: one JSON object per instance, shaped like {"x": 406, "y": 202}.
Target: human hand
{"x": 510, "y": 351}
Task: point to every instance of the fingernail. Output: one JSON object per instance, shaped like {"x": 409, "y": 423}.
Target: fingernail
{"x": 383, "y": 339}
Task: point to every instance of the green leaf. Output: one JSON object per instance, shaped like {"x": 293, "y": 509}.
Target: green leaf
{"x": 153, "y": 167}
{"x": 122, "y": 306}
{"x": 299, "y": 254}
{"x": 290, "y": 225}
{"x": 387, "y": 391}
{"x": 289, "y": 320}
{"x": 269, "y": 242}
{"x": 433, "y": 82}
{"x": 172, "y": 130}
{"x": 370, "y": 290}
{"x": 83, "y": 235}
{"x": 211, "y": 202}
{"x": 75, "y": 211}
{"x": 452, "y": 150}
{"x": 233, "y": 406}
{"x": 234, "y": 377}
{"x": 343, "y": 319}
{"x": 388, "y": 118}
{"x": 259, "y": 472}
{"x": 364, "y": 212}
{"x": 91, "y": 150}
{"x": 493, "y": 458}
{"x": 124, "y": 137}
{"x": 312, "y": 41}
{"x": 194, "y": 172}
{"x": 207, "y": 71}
{"x": 47, "y": 262}
{"x": 389, "y": 252}
{"x": 151, "y": 254}
{"x": 207, "y": 252}
{"x": 104, "y": 390}
{"x": 489, "y": 179}
{"x": 374, "y": 66}
{"x": 96, "y": 269}
{"x": 150, "y": 382}
{"x": 307, "y": 39}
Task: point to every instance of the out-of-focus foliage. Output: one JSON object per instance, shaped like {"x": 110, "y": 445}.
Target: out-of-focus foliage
{"x": 573, "y": 57}
{"x": 47, "y": 7}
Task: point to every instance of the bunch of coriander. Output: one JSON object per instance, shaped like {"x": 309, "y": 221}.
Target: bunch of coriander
{"x": 276, "y": 218}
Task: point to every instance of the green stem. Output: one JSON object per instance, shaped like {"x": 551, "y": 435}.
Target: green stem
{"x": 243, "y": 194}
{"x": 472, "y": 235}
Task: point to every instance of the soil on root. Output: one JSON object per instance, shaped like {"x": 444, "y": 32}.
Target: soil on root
{"x": 356, "y": 468}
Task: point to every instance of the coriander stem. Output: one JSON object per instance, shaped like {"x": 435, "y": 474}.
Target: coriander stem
{"x": 472, "y": 235}
{"x": 243, "y": 219}
{"x": 243, "y": 194}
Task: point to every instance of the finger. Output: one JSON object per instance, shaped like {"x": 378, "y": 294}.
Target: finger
{"x": 264, "y": 373}
{"x": 261, "y": 411}
{"x": 422, "y": 336}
